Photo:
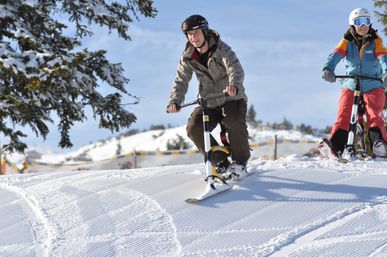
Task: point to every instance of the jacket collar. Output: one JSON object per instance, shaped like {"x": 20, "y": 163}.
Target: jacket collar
{"x": 351, "y": 35}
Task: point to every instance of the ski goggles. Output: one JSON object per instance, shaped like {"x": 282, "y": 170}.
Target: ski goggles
{"x": 362, "y": 21}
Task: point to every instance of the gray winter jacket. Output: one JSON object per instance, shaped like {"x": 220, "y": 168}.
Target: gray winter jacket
{"x": 223, "y": 70}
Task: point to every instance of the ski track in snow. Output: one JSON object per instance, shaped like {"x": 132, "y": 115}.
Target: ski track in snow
{"x": 279, "y": 244}
{"x": 67, "y": 235}
{"x": 142, "y": 212}
{"x": 307, "y": 235}
{"x": 39, "y": 224}
{"x": 285, "y": 240}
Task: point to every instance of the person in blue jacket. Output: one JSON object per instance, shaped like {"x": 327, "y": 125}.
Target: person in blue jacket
{"x": 364, "y": 55}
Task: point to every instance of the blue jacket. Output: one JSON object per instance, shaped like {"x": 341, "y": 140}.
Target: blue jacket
{"x": 370, "y": 60}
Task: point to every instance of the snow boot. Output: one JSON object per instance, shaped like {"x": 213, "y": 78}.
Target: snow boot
{"x": 236, "y": 171}
{"x": 327, "y": 151}
{"x": 379, "y": 148}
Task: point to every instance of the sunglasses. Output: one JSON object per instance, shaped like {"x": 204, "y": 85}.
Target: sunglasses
{"x": 362, "y": 21}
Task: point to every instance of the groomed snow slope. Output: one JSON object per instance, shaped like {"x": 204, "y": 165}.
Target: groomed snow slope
{"x": 289, "y": 207}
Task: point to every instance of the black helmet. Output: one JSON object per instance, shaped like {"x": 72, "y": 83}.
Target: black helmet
{"x": 194, "y": 22}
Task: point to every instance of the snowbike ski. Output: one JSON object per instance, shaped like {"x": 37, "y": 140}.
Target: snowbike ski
{"x": 209, "y": 192}
{"x": 215, "y": 183}
{"x": 216, "y": 188}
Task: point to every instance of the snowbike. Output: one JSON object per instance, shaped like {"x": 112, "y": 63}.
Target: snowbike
{"x": 216, "y": 183}
{"x": 358, "y": 151}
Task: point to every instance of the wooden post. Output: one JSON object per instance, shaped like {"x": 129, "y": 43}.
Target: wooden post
{"x": 275, "y": 147}
{"x": 2, "y": 165}
{"x": 134, "y": 159}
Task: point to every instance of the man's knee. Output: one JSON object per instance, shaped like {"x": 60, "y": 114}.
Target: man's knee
{"x": 190, "y": 130}
{"x": 194, "y": 123}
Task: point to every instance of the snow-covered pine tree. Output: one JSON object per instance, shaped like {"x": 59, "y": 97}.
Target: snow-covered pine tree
{"x": 43, "y": 71}
{"x": 382, "y": 16}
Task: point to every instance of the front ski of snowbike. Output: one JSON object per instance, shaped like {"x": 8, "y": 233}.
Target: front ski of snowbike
{"x": 350, "y": 153}
{"x": 215, "y": 182}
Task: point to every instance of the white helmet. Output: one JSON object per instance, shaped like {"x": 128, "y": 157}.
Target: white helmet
{"x": 356, "y": 13}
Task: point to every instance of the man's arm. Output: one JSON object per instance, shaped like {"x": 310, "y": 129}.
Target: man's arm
{"x": 181, "y": 82}
{"x": 234, "y": 69}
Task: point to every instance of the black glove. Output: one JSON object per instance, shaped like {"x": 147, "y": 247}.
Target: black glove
{"x": 329, "y": 75}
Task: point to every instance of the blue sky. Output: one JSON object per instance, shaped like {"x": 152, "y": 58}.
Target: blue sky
{"x": 281, "y": 44}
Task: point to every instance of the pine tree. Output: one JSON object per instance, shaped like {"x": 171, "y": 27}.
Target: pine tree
{"x": 178, "y": 143}
{"x": 327, "y": 129}
{"x": 251, "y": 113}
{"x": 251, "y": 117}
{"x": 286, "y": 124}
{"x": 43, "y": 71}
{"x": 306, "y": 129}
{"x": 382, "y": 16}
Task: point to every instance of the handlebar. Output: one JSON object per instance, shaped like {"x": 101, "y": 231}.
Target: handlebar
{"x": 203, "y": 101}
{"x": 357, "y": 77}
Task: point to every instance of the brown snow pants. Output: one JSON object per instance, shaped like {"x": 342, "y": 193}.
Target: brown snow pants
{"x": 233, "y": 116}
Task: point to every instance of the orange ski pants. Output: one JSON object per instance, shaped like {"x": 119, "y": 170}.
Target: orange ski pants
{"x": 374, "y": 102}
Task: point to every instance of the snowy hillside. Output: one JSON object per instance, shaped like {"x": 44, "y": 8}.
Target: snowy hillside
{"x": 290, "y": 207}
{"x": 156, "y": 140}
